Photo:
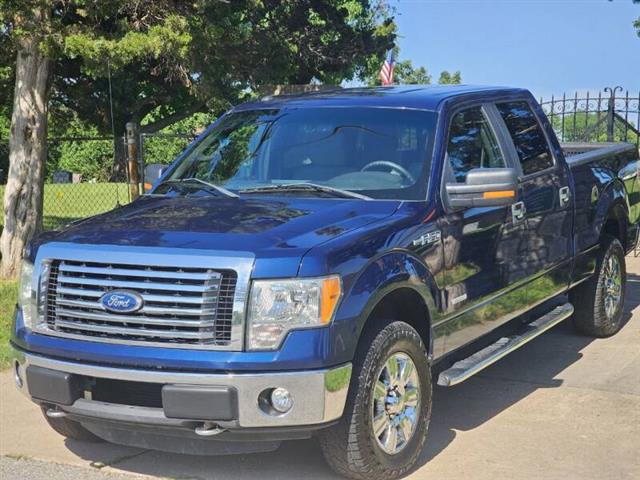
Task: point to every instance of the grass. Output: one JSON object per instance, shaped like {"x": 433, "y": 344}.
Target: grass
{"x": 70, "y": 201}
{"x": 8, "y": 296}
{"x": 62, "y": 204}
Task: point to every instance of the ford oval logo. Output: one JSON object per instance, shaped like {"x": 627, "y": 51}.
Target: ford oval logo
{"x": 121, "y": 301}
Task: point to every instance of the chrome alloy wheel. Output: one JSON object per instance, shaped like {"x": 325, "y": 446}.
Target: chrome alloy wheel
{"x": 612, "y": 286}
{"x": 396, "y": 403}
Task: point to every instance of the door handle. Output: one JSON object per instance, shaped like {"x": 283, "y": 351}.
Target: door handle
{"x": 565, "y": 196}
{"x": 518, "y": 211}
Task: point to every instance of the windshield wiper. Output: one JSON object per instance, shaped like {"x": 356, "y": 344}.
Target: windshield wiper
{"x": 209, "y": 187}
{"x": 305, "y": 186}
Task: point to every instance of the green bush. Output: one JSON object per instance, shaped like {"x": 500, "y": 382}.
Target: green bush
{"x": 93, "y": 159}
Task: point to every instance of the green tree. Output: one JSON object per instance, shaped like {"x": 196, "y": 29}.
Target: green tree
{"x": 447, "y": 78}
{"x": 590, "y": 127}
{"x": 636, "y": 23}
{"x": 172, "y": 58}
{"x": 90, "y": 158}
{"x": 404, "y": 73}
{"x": 166, "y": 146}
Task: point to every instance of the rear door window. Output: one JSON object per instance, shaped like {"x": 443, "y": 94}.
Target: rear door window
{"x": 527, "y": 135}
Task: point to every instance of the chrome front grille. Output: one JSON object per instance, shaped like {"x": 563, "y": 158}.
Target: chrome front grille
{"x": 183, "y": 306}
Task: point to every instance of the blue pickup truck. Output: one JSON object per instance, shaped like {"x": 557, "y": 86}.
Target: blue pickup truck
{"x": 312, "y": 264}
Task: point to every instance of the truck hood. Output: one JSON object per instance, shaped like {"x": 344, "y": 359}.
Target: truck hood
{"x": 272, "y": 226}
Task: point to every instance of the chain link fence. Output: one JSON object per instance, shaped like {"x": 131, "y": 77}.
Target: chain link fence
{"x": 85, "y": 178}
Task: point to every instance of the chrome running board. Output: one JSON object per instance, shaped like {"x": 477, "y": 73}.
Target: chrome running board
{"x": 463, "y": 369}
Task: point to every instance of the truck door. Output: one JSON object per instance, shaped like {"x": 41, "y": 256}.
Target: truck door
{"x": 546, "y": 204}
{"x": 482, "y": 245}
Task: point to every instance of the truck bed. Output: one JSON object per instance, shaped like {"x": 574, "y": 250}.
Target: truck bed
{"x": 597, "y": 164}
{"x": 578, "y": 153}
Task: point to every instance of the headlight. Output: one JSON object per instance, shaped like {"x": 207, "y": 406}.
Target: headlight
{"x": 26, "y": 294}
{"x": 278, "y": 306}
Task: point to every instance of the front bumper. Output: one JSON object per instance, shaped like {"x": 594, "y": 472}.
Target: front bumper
{"x": 319, "y": 395}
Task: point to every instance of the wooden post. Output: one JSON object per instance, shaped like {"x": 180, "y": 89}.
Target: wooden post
{"x": 132, "y": 159}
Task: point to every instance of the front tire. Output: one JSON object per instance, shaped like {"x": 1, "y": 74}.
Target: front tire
{"x": 386, "y": 418}
{"x": 599, "y": 301}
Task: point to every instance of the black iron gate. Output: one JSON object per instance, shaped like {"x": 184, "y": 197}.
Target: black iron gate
{"x": 613, "y": 115}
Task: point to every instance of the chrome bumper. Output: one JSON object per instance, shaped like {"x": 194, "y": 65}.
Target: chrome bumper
{"x": 319, "y": 395}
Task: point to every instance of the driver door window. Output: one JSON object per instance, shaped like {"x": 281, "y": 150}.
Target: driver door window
{"x": 472, "y": 144}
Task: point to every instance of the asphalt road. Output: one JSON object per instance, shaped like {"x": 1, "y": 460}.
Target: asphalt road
{"x": 563, "y": 406}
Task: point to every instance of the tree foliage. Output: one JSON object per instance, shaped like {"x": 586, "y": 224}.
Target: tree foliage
{"x": 93, "y": 159}
{"x": 105, "y": 63}
{"x": 447, "y": 78}
{"x": 168, "y": 144}
{"x": 175, "y": 58}
{"x": 404, "y": 73}
{"x": 636, "y": 23}
{"x": 589, "y": 127}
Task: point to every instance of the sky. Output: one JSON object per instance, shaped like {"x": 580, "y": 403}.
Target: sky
{"x": 547, "y": 46}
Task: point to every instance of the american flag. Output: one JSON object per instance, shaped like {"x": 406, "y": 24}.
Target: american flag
{"x": 386, "y": 72}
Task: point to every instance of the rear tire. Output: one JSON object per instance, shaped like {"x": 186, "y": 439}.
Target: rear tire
{"x": 599, "y": 301}
{"x": 386, "y": 407}
{"x": 70, "y": 429}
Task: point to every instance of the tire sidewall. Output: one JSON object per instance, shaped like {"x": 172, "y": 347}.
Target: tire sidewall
{"x": 398, "y": 337}
{"x": 613, "y": 247}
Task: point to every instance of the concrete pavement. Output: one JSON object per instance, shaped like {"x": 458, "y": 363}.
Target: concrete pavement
{"x": 563, "y": 406}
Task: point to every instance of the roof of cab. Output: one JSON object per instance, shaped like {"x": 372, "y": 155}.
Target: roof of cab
{"x": 423, "y": 97}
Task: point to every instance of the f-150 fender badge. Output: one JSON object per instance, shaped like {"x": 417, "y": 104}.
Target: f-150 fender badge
{"x": 121, "y": 301}
{"x": 428, "y": 239}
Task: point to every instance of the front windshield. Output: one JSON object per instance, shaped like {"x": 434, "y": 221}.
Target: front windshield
{"x": 377, "y": 152}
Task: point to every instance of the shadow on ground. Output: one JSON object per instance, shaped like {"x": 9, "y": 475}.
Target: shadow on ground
{"x": 461, "y": 408}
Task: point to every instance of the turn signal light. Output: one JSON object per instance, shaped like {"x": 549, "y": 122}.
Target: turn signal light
{"x": 331, "y": 291}
{"x": 499, "y": 194}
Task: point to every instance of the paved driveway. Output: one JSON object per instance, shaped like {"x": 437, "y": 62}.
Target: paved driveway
{"x": 563, "y": 406}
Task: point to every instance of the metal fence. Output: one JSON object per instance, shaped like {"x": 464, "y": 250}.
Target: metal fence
{"x": 98, "y": 180}
{"x": 611, "y": 115}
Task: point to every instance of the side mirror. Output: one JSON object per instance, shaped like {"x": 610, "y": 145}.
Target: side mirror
{"x": 484, "y": 187}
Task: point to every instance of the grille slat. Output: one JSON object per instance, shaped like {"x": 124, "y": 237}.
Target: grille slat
{"x": 142, "y": 320}
{"x": 187, "y": 312}
{"x": 120, "y": 272}
{"x": 134, "y": 332}
{"x": 143, "y": 286}
{"x": 191, "y": 306}
{"x": 81, "y": 292}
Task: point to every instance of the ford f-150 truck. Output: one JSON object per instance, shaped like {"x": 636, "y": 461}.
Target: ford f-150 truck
{"x": 311, "y": 264}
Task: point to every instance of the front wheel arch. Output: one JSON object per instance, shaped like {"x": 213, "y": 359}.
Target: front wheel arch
{"x": 401, "y": 303}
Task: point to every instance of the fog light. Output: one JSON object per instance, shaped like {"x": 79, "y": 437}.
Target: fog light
{"x": 16, "y": 375}
{"x": 281, "y": 400}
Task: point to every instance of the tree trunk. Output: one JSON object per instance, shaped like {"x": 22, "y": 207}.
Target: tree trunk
{"x": 27, "y": 155}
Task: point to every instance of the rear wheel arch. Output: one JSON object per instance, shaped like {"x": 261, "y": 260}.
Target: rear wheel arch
{"x": 615, "y": 224}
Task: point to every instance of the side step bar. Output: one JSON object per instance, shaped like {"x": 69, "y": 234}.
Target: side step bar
{"x": 463, "y": 369}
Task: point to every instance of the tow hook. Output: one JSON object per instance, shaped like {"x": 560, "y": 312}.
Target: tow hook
{"x": 208, "y": 429}
{"x": 55, "y": 412}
